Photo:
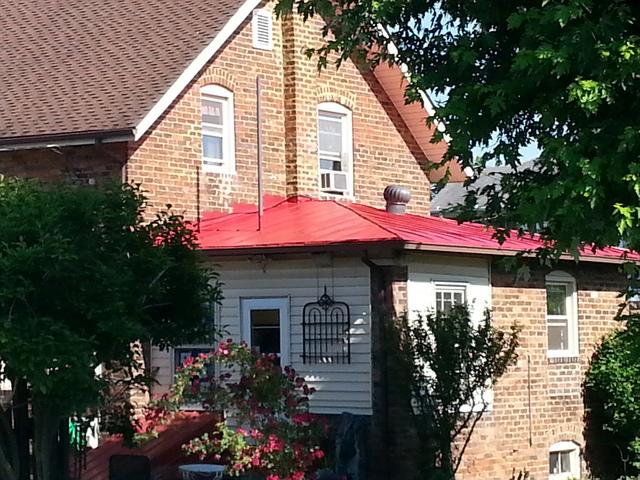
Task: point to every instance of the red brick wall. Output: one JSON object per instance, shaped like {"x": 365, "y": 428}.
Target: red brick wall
{"x": 167, "y": 160}
{"x": 80, "y": 164}
{"x": 501, "y": 441}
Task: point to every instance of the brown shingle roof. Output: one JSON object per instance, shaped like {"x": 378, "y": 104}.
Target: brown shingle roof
{"x": 70, "y": 67}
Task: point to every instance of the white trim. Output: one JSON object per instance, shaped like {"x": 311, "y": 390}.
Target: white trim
{"x": 574, "y": 462}
{"x": 257, "y": 15}
{"x": 194, "y": 68}
{"x": 426, "y": 101}
{"x": 563, "y": 278}
{"x": 347, "y": 145}
{"x": 277, "y": 303}
{"x": 228, "y": 162}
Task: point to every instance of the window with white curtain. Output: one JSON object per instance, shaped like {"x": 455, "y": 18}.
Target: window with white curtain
{"x": 218, "y": 142}
{"x": 564, "y": 461}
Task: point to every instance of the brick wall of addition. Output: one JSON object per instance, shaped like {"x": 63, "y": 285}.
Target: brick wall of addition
{"x": 167, "y": 160}
{"x": 79, "y": 164}
{"x": 539, "y": 402}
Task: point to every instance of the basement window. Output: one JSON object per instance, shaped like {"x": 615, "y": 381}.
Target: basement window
{"x": 262, "y": 29}
{"x": 218, "y": 142}
{"x": 564, "y": 461}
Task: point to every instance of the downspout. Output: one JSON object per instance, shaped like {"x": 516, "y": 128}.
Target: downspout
{"x": 377, "y": 275}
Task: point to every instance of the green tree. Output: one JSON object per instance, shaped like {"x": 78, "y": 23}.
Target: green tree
{"x": 612, "y": 389}
{"x": 451, "y": 364}
{"x": 83, "y": 278}
{"x": 564, "y": 74}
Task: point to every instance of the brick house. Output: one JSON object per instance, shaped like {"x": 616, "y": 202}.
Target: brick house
{"x": 168, "y": 95}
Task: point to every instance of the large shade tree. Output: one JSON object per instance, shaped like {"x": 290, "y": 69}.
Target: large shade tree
{"x": 83, "y": 278}
{"x": 562, "y": 74}
{"x": 506, "y": 74}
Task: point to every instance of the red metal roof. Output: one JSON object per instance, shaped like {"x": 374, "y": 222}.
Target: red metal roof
{"x": 301, "y": 222}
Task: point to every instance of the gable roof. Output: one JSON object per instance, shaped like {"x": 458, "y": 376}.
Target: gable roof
{"x": 301, "y": 223}
{"x": 90, "y": 68}
{"x": 452, "y": 194}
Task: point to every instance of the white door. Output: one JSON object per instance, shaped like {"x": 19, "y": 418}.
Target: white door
{"x": 265, "y": 326}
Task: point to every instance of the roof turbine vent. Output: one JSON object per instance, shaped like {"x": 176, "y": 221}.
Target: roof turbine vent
{"x": 397, "y": 198}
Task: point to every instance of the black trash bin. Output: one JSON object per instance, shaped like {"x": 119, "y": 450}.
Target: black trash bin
{"x": 129, "y": 467}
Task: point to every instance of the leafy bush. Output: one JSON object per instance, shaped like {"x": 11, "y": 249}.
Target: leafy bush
{"x": 613, "y": 388}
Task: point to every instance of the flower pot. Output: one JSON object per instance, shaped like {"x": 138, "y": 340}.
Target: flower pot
{"x": 201, "y": 471}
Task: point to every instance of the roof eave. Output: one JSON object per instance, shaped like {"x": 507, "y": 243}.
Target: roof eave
{"x": 66, "y": 139}
{"x": 355, "y": 247}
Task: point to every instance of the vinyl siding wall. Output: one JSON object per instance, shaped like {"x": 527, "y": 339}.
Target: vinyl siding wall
{"x": 340, "y": 387}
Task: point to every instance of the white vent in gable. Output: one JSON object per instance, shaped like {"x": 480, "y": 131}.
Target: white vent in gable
{"x": 262, "y": 26}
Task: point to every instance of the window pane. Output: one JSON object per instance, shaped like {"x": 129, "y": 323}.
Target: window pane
{"x": 330, "y": 134}
{"x": 212, "y": 111}
{"x": 329, "y": 164}
{"x": 212, "y": 147}
{"x": 558, "y": 336}
{"x": 556, "y": 299}
{"x": 554, "y": 464}
{"x": 565, "y": 462}
{"x": 330, "y": 143}
{"x": 265, "y": 331}
{"x": 447, "y": 299}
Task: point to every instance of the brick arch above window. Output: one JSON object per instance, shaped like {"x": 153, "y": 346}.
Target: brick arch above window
{"x": 329, "y": 94}
{"x": 218, "y": 76}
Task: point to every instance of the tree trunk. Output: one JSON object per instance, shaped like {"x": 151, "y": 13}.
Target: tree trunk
{"x": 9, "y": 460}
{"x": 46, "y": 421}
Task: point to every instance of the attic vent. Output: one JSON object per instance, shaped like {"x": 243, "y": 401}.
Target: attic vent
{"x": 262, "y": 26}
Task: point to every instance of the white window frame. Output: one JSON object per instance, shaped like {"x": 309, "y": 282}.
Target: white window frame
{"x": 449, "y": 287}
{"x": 275, "y": 303}
{"x": 563, "y": 278}
{"x": 335, "y": 109}
{"x": 228, "y": 163}
{"x": 574, "y": 452}
{"x": 258, "y": 14}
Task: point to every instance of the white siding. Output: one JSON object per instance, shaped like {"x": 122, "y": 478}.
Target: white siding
{"x": 340, "y": 387}
{"x": 425, "y": 272}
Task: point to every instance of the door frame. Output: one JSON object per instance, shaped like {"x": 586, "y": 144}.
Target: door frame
{"x": 247, "y": 304}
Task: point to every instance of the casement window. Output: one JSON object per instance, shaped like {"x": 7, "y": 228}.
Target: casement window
{"x": 335, "y": 149}
{"x": 562, "y": 315}
{"x": 262, "y": 29}
{"x": 449, "y": 295}
{"x": 218, "y": 136}
{"x": 564, "y": 461}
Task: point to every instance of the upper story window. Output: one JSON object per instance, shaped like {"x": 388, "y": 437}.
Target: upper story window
{"x": 449, "y": 296}
{"x": 262, "y": 29}
{"x": 562, "y": 315}
{"x": 335, "y": 149}
{"x": 564, "y": 461}
{"x": 218, "y": 142}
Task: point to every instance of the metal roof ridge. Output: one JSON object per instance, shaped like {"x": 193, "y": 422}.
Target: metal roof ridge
{"x": 348, "y": 207}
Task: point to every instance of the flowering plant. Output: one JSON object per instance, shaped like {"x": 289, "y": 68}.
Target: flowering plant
{"x": 268, "y": 429}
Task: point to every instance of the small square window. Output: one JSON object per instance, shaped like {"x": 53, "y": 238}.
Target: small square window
{"x": 564, "y": 461}
{"x": 449, "y": 296}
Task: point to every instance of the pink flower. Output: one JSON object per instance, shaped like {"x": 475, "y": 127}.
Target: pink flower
{"x": 273, "y": 477}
